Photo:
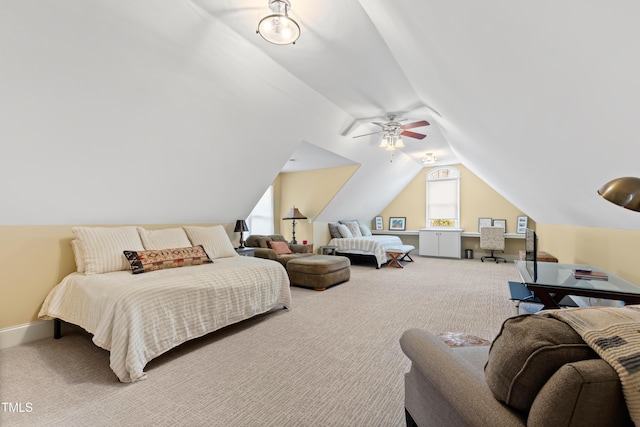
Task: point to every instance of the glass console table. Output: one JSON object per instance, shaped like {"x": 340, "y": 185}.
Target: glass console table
{"x": 555, "y": 281}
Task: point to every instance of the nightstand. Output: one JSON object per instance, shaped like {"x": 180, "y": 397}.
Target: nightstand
{"x": 309, "y": 248}
{"x": 246, "y": 251}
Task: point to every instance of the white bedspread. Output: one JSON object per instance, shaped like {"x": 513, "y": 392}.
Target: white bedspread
{"x": 374, "y": 245}
{"x": 139, "y": 317}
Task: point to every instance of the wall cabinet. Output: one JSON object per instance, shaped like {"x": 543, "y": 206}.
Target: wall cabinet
{"x": 440, "y": 243}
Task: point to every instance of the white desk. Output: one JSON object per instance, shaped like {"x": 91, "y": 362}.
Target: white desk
{"x": 506, "y": 235}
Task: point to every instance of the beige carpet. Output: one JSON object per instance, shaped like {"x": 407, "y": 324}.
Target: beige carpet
{"x": 332, "y": 360}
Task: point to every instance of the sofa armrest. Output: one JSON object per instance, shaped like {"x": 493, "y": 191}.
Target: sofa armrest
{"x": 299, "y": 249}
{"x": 266, "y": 253}
{"x": 442, "y": 388}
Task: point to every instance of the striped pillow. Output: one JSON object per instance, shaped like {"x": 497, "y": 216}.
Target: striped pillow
{"x": 164, "y": 239}
{"x": 78, "y": 254}
{"x": 215, "y": 240}
{"x": 104, "y": 246}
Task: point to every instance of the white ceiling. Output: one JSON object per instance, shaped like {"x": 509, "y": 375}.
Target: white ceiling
{"x": 538, "y": 99}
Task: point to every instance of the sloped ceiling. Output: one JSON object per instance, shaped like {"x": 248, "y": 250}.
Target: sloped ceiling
{"x": 171, "y": 112}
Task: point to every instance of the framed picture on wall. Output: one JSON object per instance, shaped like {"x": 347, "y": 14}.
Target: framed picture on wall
{"x": 522, "y": 224}
{"x": 500, "y": 223}
{"x": 483, "y": 222}
{"x": 397, "y": 223}
{"x": 378, "y": 223}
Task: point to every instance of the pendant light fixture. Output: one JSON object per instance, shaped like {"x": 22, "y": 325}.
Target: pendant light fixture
{"x": 278, "y": 28}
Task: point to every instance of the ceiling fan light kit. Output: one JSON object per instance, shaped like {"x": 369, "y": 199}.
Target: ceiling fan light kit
{"x": 279, "y": 28}
{"x": 393, "y": 131}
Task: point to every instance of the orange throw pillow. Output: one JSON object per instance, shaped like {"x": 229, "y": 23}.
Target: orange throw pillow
{"x": 281, "y": 248}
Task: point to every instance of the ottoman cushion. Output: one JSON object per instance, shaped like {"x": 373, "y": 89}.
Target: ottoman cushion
{"x": 319, "y": 271}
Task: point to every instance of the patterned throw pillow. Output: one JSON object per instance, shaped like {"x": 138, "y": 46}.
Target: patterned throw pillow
{"x": 145, "y": 261}
{"x": 281, "y": 248}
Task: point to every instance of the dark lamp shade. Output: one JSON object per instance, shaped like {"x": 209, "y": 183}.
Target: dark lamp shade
{"x": 294, "y": 213}
{"x": 241, "y": 225}
{"x": 623, "y": 192}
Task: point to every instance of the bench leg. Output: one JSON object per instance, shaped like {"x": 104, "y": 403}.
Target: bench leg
{"x": 406, "y": 256}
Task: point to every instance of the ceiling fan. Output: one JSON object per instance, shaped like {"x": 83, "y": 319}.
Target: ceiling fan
{"x": 393, "y": 129}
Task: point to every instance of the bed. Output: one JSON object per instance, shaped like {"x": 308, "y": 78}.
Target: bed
{"x": 367, "y": 246}
{"x": 137, "y": 317}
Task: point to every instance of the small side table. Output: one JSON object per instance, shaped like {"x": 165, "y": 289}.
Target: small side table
{"x": 328, "y": 250}
{"x": 309, "y": 248}
{"x": 246, "y": 251}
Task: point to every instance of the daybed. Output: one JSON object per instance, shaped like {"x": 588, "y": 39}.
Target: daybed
{"x": 537, "y": 372}
{"x": 355, "y": 240}
{"x": 137, "y": 317}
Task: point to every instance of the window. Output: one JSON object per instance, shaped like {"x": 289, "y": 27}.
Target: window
{"x": 443, "y": 197}
{"x": 260, "y": 220}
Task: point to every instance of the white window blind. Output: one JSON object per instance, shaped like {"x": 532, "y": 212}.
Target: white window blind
{"x": 443, "y": 199}
{"x": 260, "y": 220}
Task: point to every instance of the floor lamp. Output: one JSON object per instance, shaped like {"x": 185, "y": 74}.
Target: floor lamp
{"x": 294, "y": 214}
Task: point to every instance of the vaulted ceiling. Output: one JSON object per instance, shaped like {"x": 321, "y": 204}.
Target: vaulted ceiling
{"x": 125, "y": 111}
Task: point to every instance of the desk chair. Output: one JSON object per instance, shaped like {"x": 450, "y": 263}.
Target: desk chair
{"x": 492, "y": 238}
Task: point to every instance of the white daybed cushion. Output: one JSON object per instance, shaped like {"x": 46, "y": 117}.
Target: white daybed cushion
{"x": 215, "y": 240}
{"x": 104, "y": 246}
{"x": 118, "y": 308}
{"x": 166, "y": 238}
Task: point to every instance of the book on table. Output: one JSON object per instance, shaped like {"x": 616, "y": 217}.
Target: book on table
{"x": 589, "y": 274}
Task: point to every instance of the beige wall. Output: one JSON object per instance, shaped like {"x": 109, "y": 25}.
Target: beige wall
{"x": 310, "y": 191}
{"x": 616, "y": 251}
{"x": 477, "y": 200}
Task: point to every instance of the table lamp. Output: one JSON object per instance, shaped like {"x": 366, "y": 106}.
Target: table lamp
{"x": 241, "y": 226}
{"x": 294, "y": 214}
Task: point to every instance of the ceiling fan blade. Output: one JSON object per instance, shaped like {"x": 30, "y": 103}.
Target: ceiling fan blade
{"x": 367, "y": 134}
{"x": 415, "y": 124}
{"x": 382, "y": 125}
{"x": 413, "y": 134}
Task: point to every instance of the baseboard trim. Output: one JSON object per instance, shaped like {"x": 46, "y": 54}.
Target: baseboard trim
{"x": 22, "y": 334}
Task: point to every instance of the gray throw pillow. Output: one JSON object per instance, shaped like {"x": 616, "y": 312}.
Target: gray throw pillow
{"x": 528, "y": 350}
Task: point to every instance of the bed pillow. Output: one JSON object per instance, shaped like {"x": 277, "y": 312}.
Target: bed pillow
{"x": 281, "y": 248}
{"x": 78, "y": 254}
{"x": 354, "y": 228}
{"x": 364, "y": 230}
{"x": 152, "y": 260}
{"x": 344, "y": 231}
{"x": 214, "y": 240}
{"x": 164, "y": 239}
{"x": 333, "y": 230}
{"x": 104, "y": 246}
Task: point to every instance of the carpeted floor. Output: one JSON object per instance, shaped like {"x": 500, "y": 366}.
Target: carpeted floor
{"x": 332, "y": 360}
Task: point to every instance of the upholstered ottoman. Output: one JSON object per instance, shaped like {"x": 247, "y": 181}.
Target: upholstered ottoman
{"x": 319, "y": 271}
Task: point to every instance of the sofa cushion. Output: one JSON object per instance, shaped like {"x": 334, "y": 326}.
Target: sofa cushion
{"x": 281, "y": 248}
{"x": 152, "y": 260}
{"x": 528, "y": 350}
{"x": 263, "y": 242}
